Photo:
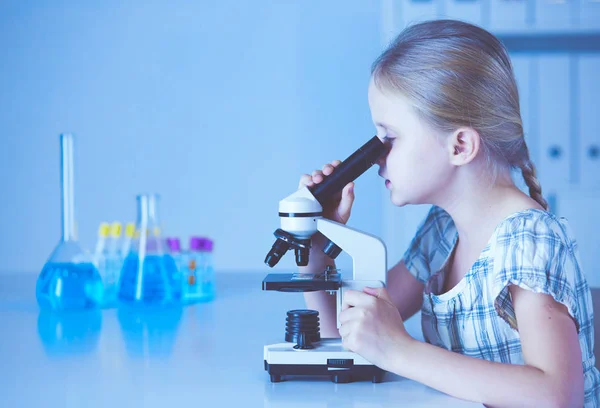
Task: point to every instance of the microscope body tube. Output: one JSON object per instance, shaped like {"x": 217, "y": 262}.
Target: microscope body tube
{"x": 349, "y": 170}
{"x": 300, "y": 211}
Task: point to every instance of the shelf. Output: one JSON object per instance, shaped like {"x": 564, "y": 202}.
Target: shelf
{"x": 550, "y": 42}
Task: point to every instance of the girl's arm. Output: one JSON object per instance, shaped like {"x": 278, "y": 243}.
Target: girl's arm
{"x": 551, "y": 377}
{"x": 405, "y": 291}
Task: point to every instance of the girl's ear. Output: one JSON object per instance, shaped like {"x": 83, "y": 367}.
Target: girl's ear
{"x": 463, "y": 146}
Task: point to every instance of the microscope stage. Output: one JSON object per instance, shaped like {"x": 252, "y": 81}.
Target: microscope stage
{"x": 328, "y": 357}
{"x": 299, "y": 282}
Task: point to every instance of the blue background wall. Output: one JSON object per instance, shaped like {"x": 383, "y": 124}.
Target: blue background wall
{"x": 221, "y": 106}
{"x": 217, "y": 106}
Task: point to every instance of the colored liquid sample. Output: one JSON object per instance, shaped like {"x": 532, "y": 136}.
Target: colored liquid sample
{"x": 154, "y": 284}
{"x": 65, "y": 285}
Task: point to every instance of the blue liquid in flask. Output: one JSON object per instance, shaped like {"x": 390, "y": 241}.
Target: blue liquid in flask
{"x": 68, "y": 280}
{"x": 154, "y": 284}
{"x": 149, "y": 276}
{"x": 65, "y": 285}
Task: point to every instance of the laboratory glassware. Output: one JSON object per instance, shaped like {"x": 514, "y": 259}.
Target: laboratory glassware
{"x": 69, "y": 279}
{"x": 149, "y": 275}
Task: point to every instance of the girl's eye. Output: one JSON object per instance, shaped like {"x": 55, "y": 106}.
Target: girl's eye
{"x": 388, "y": 140}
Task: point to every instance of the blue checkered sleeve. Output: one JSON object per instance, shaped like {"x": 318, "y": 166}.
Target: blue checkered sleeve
{"x": 534, "y": 254}
{"x": 431, "y": 244}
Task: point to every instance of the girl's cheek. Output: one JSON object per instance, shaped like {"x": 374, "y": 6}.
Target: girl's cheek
{"x": 399, "y": 158}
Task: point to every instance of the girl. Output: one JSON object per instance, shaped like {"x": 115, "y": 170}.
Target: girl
{"x": 506, "y": 310}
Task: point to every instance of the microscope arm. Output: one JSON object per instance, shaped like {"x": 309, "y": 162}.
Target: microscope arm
{"x": 369, "y": 258}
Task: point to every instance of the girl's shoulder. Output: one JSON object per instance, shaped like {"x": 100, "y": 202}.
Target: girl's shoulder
{"x": 534, "y": 228}
{"x": 536, "y": 250}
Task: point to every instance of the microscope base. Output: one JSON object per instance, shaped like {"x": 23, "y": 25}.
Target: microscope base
{"x": 328, "y": 358}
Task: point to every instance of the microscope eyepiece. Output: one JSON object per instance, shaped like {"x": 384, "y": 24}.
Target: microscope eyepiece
{"x": 349, "y": 170}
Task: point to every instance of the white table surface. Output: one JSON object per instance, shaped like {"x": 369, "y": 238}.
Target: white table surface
{"x": 209, "y": 353}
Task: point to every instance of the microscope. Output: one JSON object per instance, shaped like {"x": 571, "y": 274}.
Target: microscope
{"x": 304, "y": 352}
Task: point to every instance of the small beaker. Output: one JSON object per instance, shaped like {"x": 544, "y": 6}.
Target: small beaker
{"x": 149, "y": 275}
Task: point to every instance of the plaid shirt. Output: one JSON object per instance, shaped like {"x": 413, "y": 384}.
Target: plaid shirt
{"x": 532, "y": 249}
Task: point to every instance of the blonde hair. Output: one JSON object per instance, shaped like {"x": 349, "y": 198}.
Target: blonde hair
{"x": 459, "y": 75}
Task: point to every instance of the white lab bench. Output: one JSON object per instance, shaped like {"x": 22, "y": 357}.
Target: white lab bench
{"x": 201, "y": 355}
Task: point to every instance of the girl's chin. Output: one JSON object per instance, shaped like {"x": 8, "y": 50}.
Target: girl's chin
{"x": 398, "y": 201}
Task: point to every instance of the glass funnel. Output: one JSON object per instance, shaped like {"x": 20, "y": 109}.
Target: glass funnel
{"x": 149, "y": 275}
{"x": 68, "y": 280}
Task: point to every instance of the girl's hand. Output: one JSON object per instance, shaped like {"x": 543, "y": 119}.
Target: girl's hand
{"x": 339, "y": 207}
{"x": 372, "y": 326}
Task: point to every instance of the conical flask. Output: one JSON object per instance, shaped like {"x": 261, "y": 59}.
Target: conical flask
{"x": 68, "y": 280}
{"x": 149, "y": 275}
